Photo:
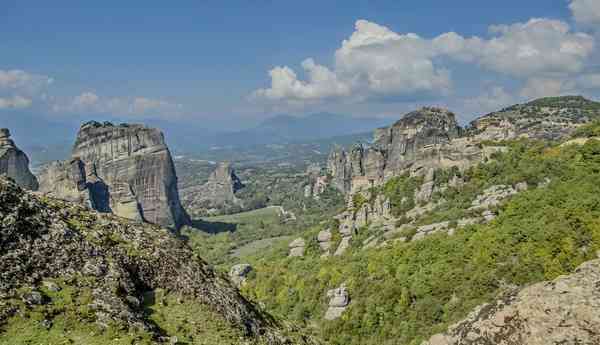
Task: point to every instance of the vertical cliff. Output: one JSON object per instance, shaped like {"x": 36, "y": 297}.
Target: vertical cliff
{"x": 218, "y": 194}
{"x": 125, "y": 169}
{"x": 14, "y": 162}
{"x": 420, "y": 140}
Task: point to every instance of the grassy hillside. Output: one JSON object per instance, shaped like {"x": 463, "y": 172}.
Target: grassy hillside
{"x": 404, "y": 292}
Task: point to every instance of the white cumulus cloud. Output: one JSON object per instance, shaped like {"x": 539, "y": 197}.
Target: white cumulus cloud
{"x": 15, "y": 102}
{"x": 321, "y": 83}
{"x": 586, "y": 11}
{"x": 376, "y": 62}
{"x": 19, "y": 88}
{"x": 90, "y": 102}
{"x": 545, "y": 87}
{"x": 490, "y": 100}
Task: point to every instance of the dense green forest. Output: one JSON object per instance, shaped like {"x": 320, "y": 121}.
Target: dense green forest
{"x": 405, "y": 292}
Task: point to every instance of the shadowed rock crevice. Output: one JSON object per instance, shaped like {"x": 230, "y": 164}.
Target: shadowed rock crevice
{"x": 127, "y": 169}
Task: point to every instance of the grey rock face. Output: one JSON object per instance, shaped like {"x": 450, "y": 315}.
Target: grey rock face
{"x": 431, "y": 138}
{"x": 324, "y": 238}
{"x": 14, "y": 163}
{"x": 424, "y": 139}
{"x": 126, "y": 169}
{"x": 492, "y": 196}
{"x": 562, "y": 311}
{"x": 238, "y": 273}
{"x": 53, "y": 239}
{"x": 297, "y": 247}
{"x": 545, "y": 118}
{"x": 219, "y": 191}
{"x": 316, "y": 182}
{"x": 339, "y": 299}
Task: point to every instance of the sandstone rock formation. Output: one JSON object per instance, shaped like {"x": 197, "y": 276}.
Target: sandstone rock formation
{"x": 339, "y": 299}
{"x": 297, "y": 247}
{"x": 14, "y": 162}
{"x": 219, "y": 192}
{"x": 125, "y": 169}
{"x": 563, "y": 311}
{"x": 317, "y": 183}
{"x": 492, "y": 196}
{"x": 421, "y": 140}
{"x": 430, "y": 138}
{"x": 544, "y": 118}
{"x": 238, "y": 273}
{"x": 324, "y": 239}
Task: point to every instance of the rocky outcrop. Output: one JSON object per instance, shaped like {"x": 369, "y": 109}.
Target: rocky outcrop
{"x": 324, "y": 239}
{"x": 238, "y": 273}
{"x": 297, "y": 247}
{"x": 545, "y": 118}
{"x": 116, "y": 260}
{"x": 492, "y": 196}
{"x": 14, "y": 162}
{"x": 339, "y": 299}
{"x": 562, "y": 311}
{"x": 430, "y": 138}
{"x": 218, "y": 193}
{"x": 422, "y": 140}
{"x": 125, "y": 169}
{"x": 317, "y": 183}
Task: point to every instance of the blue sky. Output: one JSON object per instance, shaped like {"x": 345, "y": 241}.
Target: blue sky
{"x": 208, "y": 62}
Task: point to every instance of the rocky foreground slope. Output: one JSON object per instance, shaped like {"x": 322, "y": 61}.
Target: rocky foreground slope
{"x": 125, "y": 169}
{"x": 115, "y": 267}
{"x": 14, "y": 162}
{"x": 563, "y": 311}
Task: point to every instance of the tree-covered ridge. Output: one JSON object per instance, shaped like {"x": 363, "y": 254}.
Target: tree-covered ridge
{"x": 574, "y": 108}
{"x": 404, "y": 292}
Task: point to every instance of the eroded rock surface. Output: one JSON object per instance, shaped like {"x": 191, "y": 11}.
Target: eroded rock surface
{"x": 218, "y": 193}
{"x": 339, "y": 299}
{"x": 126, "y": 169}
{"x": 238, "y": 273}
{"x": 563, "y": 311}
{"x": 297, "y": 247}
{"x": 118, "y": 260}
{"x": 14, "y": 163}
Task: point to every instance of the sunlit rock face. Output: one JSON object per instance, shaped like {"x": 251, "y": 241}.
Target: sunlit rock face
{"x": 125, "y": 169}
{"x": 430, "y": 138}
{"x": 421, "y": 140}
{"x": 14, "y": 163}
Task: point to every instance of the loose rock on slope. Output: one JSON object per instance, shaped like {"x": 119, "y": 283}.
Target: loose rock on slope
{"x": 563, "y": 311}
{"x": 43, "y": 239}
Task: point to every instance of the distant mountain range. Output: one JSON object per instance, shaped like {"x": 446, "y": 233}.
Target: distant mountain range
{"x": 281, "y": 129}
{"x": 51, "y": 139}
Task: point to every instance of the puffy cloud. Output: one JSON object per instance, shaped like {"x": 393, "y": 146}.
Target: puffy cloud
{"x": 15, "y": 102}
{"x": 322, "y": 83}
{"x": 18, "y": 79}
{"x": 538, "y": 46}
{"x": 544, "y": 87}
{"x": 18, "y": 88}
{"x": 376, "y": 62}
{"x": 143, "y": 105}
{"x": 379, "y": 61}
{"x": 589, "y": 81}
{"x": 85, "y": 100}
{"x": 90, "y": 102}
{"x": 492, "y": 99}
{"x": 586, "y": 11}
